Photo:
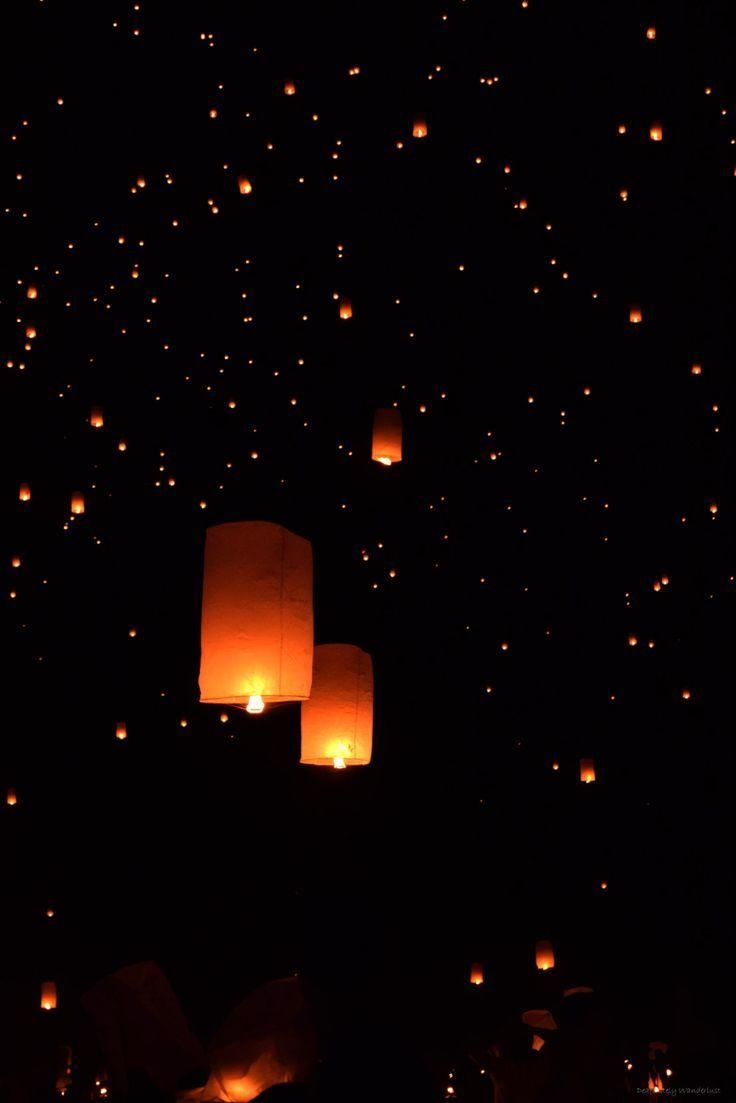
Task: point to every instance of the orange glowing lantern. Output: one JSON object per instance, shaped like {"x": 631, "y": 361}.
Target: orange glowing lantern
{"x": 11, "y": 798}
{"x": 587, "y": 770}
{"x": 476, "y": 973}
{"x": 48, "y": 995}
{"x": 346, "y": 309}
{"x": 121, "y": 730}
{"x": 387, "y": 437}
{"x": 24, "y": 494}
{"x": 544, "y": 955}
{"x": 337, "y": 720}
{"x": 244, "y": 185}
{"x": 32, "y": 292}
{"x": 96, "y": 418}
{"x": 419, "y": 129}
{"x": 656, "y": 132}
{"x": 635, "y": 315}
{"x": 289, "y": 88}
{"x": 257, "y": 640}
{"x": 77, "y": 503}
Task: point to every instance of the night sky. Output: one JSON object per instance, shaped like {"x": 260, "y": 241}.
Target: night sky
{"x": 545, "y": 577}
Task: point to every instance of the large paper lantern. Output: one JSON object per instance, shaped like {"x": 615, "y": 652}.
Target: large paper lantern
{"x": 77, "y": 505}
{"x": 48, "y": 995}
{"x": 587, "y": 770}
{"x": 545, "y": 955}
{"x": 387, "y": 437}
{"x": 96, "y": 417}
{"x": 476, "y": 973}
{"x": 419, "y": 127}
{"x": 257, "y": 620}
{"x": 337, "y": 720}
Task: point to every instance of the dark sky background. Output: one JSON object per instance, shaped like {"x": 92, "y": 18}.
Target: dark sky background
{"x": 208, "y": 848}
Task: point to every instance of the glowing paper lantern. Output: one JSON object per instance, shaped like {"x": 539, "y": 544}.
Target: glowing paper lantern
{"x": 257, "y": 638}
{"x": 11, "y": 797}
{"x": 476, "y": 973}
{"x": 96, "y": 418}
{"x": 419, "y": 129}
{"x": 635, "y": 315}
{"x": 244, "y": 185}
{"x": 121, "y": 730}
{"x": 545, "y": 957}
{"x": 48, "y": 995}
{"x": 346, "y": 309}
{"x": 655, "y": 132}
{"x": 387, "y": 437}
{"x": 337, "y": 720}
{"x": 587, "y": 770}
{"x": 24, "y": 494}
{"x": 289, "y": 88}
{"x": 77, "y": 503}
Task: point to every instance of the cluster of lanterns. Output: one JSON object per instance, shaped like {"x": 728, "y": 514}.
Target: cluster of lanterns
{"x": 257, "y": 643}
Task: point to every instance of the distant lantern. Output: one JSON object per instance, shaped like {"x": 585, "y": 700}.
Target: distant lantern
{"x": 587, "y": 770}
{"x": 11, "y": 797}
{"x": 24, "y": 494}
{"x": 544, "y": 956}
{"x": 346, "y": 309}
{"x": 419, "y": 129}
{"x": 635, "y": 315}
{"x": 337, "y": 720}
{"x": 32, "y": 292}
{"x": 476, "y": 973}
{"x": 77, "y": 503}
{"x": 651, "y": 33}
{"x": 121, "y": 730}
{"x": 48, "y": 995}
{"x": 655, "y": 132}
{"x": 244, "y": 185}
{"x": 257, "y": 639}
{"x": 387, "y": 437}
{"x": 96, "y": 418}
{"x": 289, "y": 88}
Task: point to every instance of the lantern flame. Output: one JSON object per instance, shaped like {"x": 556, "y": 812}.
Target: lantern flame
{"x": 338, "y": 763}
{"x": 255, "y": 704}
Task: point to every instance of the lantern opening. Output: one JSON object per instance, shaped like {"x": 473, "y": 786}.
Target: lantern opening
{"x": 338, "y": 763}
{"x": 256, "y": 704}
{"x": 384, "y": 460}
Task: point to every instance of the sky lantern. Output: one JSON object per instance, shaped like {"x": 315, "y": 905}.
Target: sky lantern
{"x": 24, "y": 493}
{"x": 346, "y": 309}
{"x": 32, "y": 292}
{"x": 635, "y": 315}
{"x": 77, "y": 506}
{"x": 11, "y": 798}
{"x": 48, "y": 996}
{"x": 544, "y": 955}
{"x": 587, "y": 770}
{"x": 289, "y": 88}
{"x": 96, "y": 418}
{"x": 476, "y": 973}
{"x": 337, "y": 720}
{"x": 419, "y": 129}
{"x": 387, "y": 437}
{"x": 121, "y": 730}
{"x": 257, "y": 638}
{"x": 244, "y": 185}
{"x": 655, "y": 132}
